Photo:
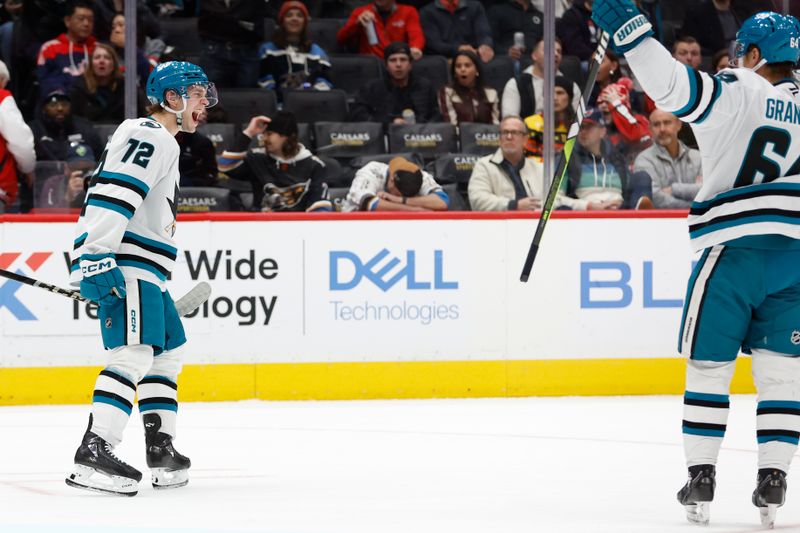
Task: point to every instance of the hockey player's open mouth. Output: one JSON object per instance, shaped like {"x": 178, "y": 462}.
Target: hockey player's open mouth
{"x": 196, "y": 116}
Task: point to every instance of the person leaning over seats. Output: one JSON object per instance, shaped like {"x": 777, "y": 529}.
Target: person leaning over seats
{"x": 399, "y": 186}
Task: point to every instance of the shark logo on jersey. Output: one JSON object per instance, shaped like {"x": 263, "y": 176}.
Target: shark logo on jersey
{"x": 795, "y": 337}
{"x": 150, "y": 124}
{"x": 173, "y": 206}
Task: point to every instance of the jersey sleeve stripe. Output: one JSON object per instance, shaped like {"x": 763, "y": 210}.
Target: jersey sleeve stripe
{"x": 123, "y": 180}
{"x": 150, "y": 245}
{"x": 80, "y": 240}
{"x": 714, "y": 97}
{"x": 695, "y": 93}
{"x": 113, "y": 204}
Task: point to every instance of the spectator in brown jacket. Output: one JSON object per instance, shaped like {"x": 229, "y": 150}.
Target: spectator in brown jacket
{"x": 466, "y": 98}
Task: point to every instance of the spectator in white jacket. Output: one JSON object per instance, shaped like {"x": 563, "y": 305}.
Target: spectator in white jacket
{"x": 673, "y": 167}
{"x": 399, "y": 186}
{"x": 16, "y": 145}
{"x": 507, "y": 180}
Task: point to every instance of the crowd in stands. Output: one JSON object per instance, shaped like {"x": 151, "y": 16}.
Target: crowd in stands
{"x": 340, "y": 105}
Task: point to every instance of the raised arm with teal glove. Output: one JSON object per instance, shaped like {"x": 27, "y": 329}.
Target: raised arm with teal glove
{"x": 622, "y": 20}
{"x": 102, "y": 280}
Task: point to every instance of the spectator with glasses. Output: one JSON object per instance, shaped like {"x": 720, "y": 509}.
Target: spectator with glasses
{"x": 507, "y": 180}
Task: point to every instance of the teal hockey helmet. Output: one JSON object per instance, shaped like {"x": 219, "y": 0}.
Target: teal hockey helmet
{"x": 776, "y": 36}
{"x": 178, "y": 76}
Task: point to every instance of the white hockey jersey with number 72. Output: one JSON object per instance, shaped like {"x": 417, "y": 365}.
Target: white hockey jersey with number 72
{"x": 748, "y": 132}
{"x": 130, "y": 206}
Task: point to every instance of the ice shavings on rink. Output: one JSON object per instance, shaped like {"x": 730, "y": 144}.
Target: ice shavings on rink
{"x": 493, "y": 465}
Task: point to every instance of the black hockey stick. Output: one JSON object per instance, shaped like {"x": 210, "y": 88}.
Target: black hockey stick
{"x": 188, "y": 303}
{"x": 561, "y": 170}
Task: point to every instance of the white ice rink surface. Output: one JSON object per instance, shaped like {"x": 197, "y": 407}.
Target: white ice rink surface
{"x": 443, "y": 466}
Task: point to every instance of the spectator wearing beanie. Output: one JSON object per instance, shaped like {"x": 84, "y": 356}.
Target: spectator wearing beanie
{"x": 285, "y": 175}
{"x": 385, "y": 100}
{"x": 291, "y": 61}
{"x": 392, "y": 22}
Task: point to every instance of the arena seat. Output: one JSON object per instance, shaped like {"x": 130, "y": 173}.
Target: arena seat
{"x": 322, "y": 32}
{"x": 220, "y": 134}
{"x": 241, "y": 105}
{"x": 203, "y": 199}
{"x": 317, "y": 106}
{"x": 349, "y": 139}
{"x": 429, "y": 140}
{"x": 350, "y": 72}
{"x": 478, "y": 138}
{"x": 434, "y": 68}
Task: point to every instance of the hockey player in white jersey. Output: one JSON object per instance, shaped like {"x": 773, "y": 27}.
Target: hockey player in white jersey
{"x": 122, "y": 255}
{"x": 744, "y": 293}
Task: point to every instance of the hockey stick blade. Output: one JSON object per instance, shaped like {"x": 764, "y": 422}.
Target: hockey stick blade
{"x": 193, "y": 299}
{"x": 561, "y": 170}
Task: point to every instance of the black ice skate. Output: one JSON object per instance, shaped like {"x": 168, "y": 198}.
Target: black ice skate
{"x": 770, "y": 494}
{"x": 98, "y": 469}
{"x": 169, "y": 468}
{"x": 698, "y": 493}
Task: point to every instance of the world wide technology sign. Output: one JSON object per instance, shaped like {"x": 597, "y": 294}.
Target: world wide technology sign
{"x": 378, "y": 290}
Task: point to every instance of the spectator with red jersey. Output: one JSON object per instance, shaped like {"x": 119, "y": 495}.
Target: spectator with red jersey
{"x": 372, "y": 27}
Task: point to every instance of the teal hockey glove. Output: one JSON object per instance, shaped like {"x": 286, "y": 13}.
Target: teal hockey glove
{"x": 102, "y": 281}
{"x": 623, "y": 22}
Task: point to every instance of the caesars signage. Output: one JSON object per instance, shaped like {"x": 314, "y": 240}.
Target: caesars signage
{"x": 379, "y": 290}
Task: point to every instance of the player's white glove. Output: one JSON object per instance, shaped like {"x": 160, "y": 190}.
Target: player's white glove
{"x": 623, "y": 22}
{"x": 102, "y": 280}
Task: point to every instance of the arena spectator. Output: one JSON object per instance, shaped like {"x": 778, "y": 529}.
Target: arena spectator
{"x": 17, "y": 154}
{"x": 597, "y": 174}
{"x": 466, "y": 98}
{"x": 523, "y": 95}
{"x": 65, "y": 58}
{"x": 143, "y": 64}
{"x": 577, "y": 31}
{"x": 686, "y": 49}
{"x": 721, "y": 60}
{"x": 231, "y": 33}
{"x": 563, "y": 119}
{"x": 400, "y": 97}
{"x": 399, "y": 186}
{"x": 198, "y": 160}
{"x": 454, "y": 25}
{"x": 104, "y": 11}
{"x": 99, "y": 95}
{"x": 372, "y": 27}
{"x": 628, "y": 131}
{"x": 507, "y": 180}
{"x": 714, "y": 23}
{"x": 288, "y": 177}
{"x": 509, "y": 17}
{"x": 56, "y": 128}
{"x": 291, "y": 60}
{"x": 674, "y": 168}
{"x": 69, "y": 190}
{"x": 9, "y": 14}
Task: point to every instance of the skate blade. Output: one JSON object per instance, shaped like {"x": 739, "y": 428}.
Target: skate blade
{"x": 169, "y": 479}
{"x": 768, "y": 515}
{"x": 699, "y": 513}
{"x": 88, "y": 478}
